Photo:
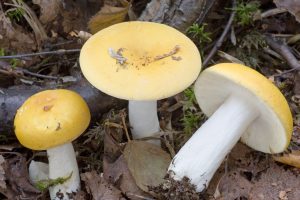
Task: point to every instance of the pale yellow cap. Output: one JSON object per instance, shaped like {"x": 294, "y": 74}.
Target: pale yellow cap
{"x": 155, "y": 61}
{"x": 272, "y": 131}
{"x": 51, "y": 118}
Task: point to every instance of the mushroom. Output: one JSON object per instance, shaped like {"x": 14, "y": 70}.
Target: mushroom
{"x": 141, "y": 62}
{"x": 242, "y": 104}
{"x": 50, "y": 120}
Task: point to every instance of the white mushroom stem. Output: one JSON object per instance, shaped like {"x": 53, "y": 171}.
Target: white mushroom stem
{"x": 143, "y": 119}
{"x": 204, "y": 152}
{"x": 62, "y": 162}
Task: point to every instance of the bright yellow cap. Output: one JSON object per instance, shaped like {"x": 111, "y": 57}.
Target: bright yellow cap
{"x": 140, "y": 61}
{"x": 51, "y": 118}
{"x": 272, "y": 131}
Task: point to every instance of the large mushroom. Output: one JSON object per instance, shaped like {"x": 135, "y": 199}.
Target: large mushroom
{"x": 141, "y": 62}
{"x": 241, "y": 103}
{"x": 50, "y": 120}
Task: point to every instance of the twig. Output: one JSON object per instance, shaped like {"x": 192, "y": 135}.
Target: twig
{"x": 5, "y": 68}
{"x": 284, "y": 51}
{"x": 287, "y": 71}
{"x": 206, "y": 8}
{"x": 38, "y": 75}
{"x": 61, "y": 51}
{"x": 222, "y": 37}
{"x": 272, "y": 12}
{"x": 123, "y": 116}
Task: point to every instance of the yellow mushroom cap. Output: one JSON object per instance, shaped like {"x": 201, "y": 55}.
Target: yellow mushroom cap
{"x": 51, "y": 118}
{"x": 140, "y": 61}
{"x": 271, "y": 131}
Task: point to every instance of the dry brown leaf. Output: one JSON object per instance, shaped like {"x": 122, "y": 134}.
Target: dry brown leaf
{"x": 147, "y": 163}
{"x": 118, "y": 174}
{"x": 2, "y": 173}
{"x": 14, "y": 38}
{"x": 49, "y": 9}
{"x": 115, "y": 169}
{"x": 293, "y": 6}
{"x": 283, "y": 195}
{"x": 292, "y": 158}
{"x": 99, "y": 188}
{"x": 16, "y": 177}
{"x": 108, "y": 15}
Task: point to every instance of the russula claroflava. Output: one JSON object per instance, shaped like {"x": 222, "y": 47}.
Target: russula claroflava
{"x": 50, "y": 120}
{"x": 240, "y": 103}
{"x": 141, "y": 62}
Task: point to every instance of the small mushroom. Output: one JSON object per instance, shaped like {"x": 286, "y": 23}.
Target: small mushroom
{"x": 241, "y": 103}
{"x": 50, "y": 120}
{"x": 141, "y": 62}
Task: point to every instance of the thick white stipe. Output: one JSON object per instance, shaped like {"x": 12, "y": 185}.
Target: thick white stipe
{"x": 62, "y": 162}
{"x": 204, "y": 152}
{"x": 143, "y": 119}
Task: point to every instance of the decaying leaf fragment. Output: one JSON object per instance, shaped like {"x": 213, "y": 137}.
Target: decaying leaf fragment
{"x": 2, "y": 173}
{"x": 49, "y": 9}
{"x": 293, "y": 6}
{"x": 109, "y": 15}
{"x": 292, "y": 159}
{"x": 147, "y": 163}
{"x": 99, "y": 187}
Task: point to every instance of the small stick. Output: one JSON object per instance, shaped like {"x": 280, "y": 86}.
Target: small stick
{"x": 5, "y": 68}
{"x": 222, "y": 37}
{"x": 287, "y": 71}
{"x": 38, "y": 75}
{"x": 284, "y": 51}
{"x": 272, "y": 12}
{"x": 123, "y": 115}
{"x": 61, "y": 51}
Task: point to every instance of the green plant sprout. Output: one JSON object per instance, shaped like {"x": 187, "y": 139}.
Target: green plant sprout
{"x": 197, "y": 32}
{"x": 249, "y": 48}
{"x": 192, "y": 117}
{"x": 2, "y": 52}
{"x": 15, "y": 14}
{"x": 189, "y": 103}
{"x": 245, "y": 12}
{"x": 190, "y": 121}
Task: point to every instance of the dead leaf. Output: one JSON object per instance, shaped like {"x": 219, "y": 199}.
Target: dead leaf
{"x": 99, "y": 187}
{"x": 16, "y": 177}
{"x": 292, "y": 158}
{"x": 283, "y": 195}
{"x": 115, "y": 169}
{"x": 14, "y": 37}
{"x": 147, "y": 163}
{"x": 297, "y": 84}
{"x": 49, "y": 9}
{"x": 2, "y": 173}
{"x": 293, "y": 6}
{"x": 108, "y": 15}
{"x": 119, "y": 175}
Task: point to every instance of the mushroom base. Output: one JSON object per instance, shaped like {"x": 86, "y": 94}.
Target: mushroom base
{"x": 204, "y": 152}
{"x": 62, "y": 163}
{"x": 143, "y": 119}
